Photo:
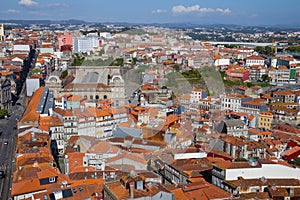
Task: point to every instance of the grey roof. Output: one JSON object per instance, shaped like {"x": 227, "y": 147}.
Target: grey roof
{"x": 234, "y": 122}
{"x": 122, "y": 132}
{"x": 90, "y": 78}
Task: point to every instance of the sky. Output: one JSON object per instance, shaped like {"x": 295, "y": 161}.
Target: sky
{"x": 240, "y": 12}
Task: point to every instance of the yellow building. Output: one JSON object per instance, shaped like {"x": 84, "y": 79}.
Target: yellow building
{"x": 265, "y": 120}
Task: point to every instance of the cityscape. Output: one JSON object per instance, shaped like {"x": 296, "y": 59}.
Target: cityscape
{"x": 149, "y": 101}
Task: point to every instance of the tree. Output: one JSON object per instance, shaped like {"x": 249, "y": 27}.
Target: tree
{"x": 77, "y": 60}
{"x": 259, "y": 49}
{"x": 293, "y": 49}
{"x": 264, "y": 50}
{"x": 176, "y": 67}
{"x": 265, "y": 77}
{"x": 3, "y": 113}
{"x": 64, "y": 74}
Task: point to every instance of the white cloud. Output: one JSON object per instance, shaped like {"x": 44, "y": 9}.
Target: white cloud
{"x": 12, "y": 11}
{"x": 27, "y": 2}
{"x": 159, "y": 11}
{"x": 180, "y": 9}
{"x": 57, "y": 5}
{"x": 224, "y": 11}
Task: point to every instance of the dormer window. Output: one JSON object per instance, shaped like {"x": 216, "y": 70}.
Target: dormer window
{"x": 52, "y": 179}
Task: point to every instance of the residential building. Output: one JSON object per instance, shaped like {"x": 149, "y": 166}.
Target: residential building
{"x": 197, "y": 95}
{"x": 84, "y": 44}
{"x": 254, "y": 169}
{"x": 286, "y": 115}
{"x": 281, "y": 75}
{"x": 64, "y": 39}
{"x": 133, "y": 186}
{"x": 41, "y": 104}
{"x": 184, "y": 171}
{"x": 255, "y": 61}
{"x": 254, "y": 106}
{"x": 284, "y": 96}
{"x": 233, "y": 127}
{"x": 5, "y": 94}
{"x": 2, "y": 35}
{"x": 256, "y": 72}
{"x": 265, "y": 120}
{"x": 259, "y": 185}
{"x": 232, "y": 102}
{"x": 237, "y": 72}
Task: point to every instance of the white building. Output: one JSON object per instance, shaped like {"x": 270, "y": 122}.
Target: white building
{"x": 222, "y": 62}
{"x": 225, "y": 170}
{"x": 255, "y": 60}
{"x": 84, "y": 44}
{"x": 232, "y": 102}
{"x": 2, "y": 35}
{"x": 280, "y": 75}
{"x": 105, "y": 35}
{"x": 197, "y": 95}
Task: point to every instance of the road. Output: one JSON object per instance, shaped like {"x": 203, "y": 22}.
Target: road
{"x": 7, "y": 151}
{"x": 8, "y": 141}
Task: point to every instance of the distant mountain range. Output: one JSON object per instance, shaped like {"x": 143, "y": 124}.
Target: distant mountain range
{"x": 45, "y": 22}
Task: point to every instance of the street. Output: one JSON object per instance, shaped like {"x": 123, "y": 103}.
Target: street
{"x": 7, "y": 149}
{"x": 8, "y": 142}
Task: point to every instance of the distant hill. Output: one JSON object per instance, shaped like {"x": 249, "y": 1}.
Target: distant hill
{"x": 45, "y": 22}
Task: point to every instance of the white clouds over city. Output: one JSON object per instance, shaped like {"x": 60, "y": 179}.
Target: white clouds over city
{"x": 180, "y": 9}
{"x": 12, "y": 11}
{"x": 158, "y": 11}
{"x": 27, "y": 2}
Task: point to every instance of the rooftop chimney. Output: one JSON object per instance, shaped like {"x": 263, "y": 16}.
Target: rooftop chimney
{"x": 131, "y": 189}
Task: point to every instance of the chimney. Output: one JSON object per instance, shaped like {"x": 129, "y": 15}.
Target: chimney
{"x": 131, "y": 189}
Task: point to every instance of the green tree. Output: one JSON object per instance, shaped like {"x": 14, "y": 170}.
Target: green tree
{"x": 173, "y": 96}
{"x": 176, "y": 67}
{"x": 64, "y": 74}
{"x": 295, "y": 161}
{"x": 265, "y": 77}
{"x": 264, "y": 50}
{"x": 101, "y": 52}
{"x": 293, "y": 49}
{"x": 134, "y": 60}
{"x": 259, "y": 49}
{"x": 3, "y": 113}
{"x": 77, "y": 60}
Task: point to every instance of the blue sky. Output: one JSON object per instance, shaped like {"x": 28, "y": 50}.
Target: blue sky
{"x": 243, "y": 12}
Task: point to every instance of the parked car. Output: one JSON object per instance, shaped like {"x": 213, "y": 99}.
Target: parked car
{"x": 2, "y": 174}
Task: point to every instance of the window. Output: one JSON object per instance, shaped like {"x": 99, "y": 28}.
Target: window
{"x": 74, "y": 190}
{"x": 52, "y": 179}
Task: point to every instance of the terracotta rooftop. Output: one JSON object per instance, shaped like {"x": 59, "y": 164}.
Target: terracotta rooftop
{"x": 30, "y": 115}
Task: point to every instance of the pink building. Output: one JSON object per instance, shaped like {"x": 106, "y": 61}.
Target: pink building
{"x": 64, "y": 39}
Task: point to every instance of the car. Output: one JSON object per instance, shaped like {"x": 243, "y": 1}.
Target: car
{"x": 2, "y": 174}
{"x": 6, "y": 142}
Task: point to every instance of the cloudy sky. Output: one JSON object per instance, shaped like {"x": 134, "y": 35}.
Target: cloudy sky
{"x": 242, "y": 12}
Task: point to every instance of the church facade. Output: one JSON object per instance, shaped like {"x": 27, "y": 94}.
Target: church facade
{"x": 93, "y": 82}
